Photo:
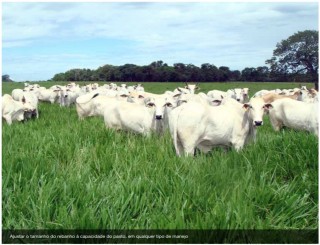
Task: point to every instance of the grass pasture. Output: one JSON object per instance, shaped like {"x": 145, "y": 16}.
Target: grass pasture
{"x": 62, "y": 173}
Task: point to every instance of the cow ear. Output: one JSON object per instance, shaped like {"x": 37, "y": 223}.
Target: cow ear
{"x": 23, "y": 100}
{"x": 246, "y": 106}
{"x": 216, "y": 102}
{"x": 267, "y": 106}
{"x": 140, "y": 96}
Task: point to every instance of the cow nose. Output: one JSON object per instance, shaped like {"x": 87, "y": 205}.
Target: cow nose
{"x": 258, "y": 123}
{"x": 158, "y": 117}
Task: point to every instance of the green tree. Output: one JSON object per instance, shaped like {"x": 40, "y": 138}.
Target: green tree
{"x": 59, "y": 77}
{"x": 235, "y": 75}
{"x": 6, "y": 78}
{"x": 224, "y": 73}
{"x": 297, "y": 55}
{"x": 209, "y": 72}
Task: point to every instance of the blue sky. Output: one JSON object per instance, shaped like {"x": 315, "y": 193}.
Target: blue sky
{"x": 42, "y": 39}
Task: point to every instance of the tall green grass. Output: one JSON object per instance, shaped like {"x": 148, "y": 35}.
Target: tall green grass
{"x": 59, "y": 172}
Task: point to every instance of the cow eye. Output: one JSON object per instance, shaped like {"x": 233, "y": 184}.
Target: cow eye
{"x": 168, "y": 105}
{"x": 150, "y": 104}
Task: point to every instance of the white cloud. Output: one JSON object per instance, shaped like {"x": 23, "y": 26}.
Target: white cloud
{"x": 232, "y": 34}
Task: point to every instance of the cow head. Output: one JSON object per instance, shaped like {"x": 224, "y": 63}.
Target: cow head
{"x": 245, "y": 92}
{"x": 183, "y": 90}
{"x": 63, "y": 93}
{"x": 191, "y": 87}
{"x": 159, "y": 105}
{"x": 27, "y": 110}
{"x": 238, "y": 95}
{"x": 257, "y": 108}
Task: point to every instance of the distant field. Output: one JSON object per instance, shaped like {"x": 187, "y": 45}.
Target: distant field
{"x": 62, "y": 173}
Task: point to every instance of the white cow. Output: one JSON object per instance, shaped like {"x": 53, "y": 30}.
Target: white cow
{"x": 17, "y": 94}
{"x": 29, "y": 98}
{"x": 294, "y": 114}
{"x": 245, "y": 92}
{"x": 113, "y": 86}
{"x": 180, "y": 90}
{"x": 308, "y": 96}
{"x": 264, "y": 92}
{"x": 139, "y": 87}
{"x": 188, "y": 89}
{"x": 67, "y": 97}
{"x": 142, "y": 119}
{"x": 55, "y": 87}
{"x": 191, "y": 87}
{"x": 195, "y": 125}
{"x": 94, "y": 104}
{"x": 238, "y": 94}
{"x": 217, "y": 95}
{"x": 49, "y": 95}
{"x": 14, "y": 110}
{"x": 136, "y": 98}
{"x": 200, "y": 98}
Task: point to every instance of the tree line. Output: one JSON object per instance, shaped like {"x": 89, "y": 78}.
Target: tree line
{"x": 158, "y": 71}
{"x": 294, "y": 59}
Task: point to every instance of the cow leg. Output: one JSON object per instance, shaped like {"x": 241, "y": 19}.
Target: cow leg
{"x": 276, "y": 124}
{"x": 189, "y": 150}
{"x": 238, "y": 147}
{"x": 145, "y": 133}
{"x": 8, "y": 119}
{"x": 179, "y": 148}
{"x": 238, "y": 143}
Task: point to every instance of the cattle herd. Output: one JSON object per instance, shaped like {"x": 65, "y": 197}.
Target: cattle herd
{"x": 195, "y": 120}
